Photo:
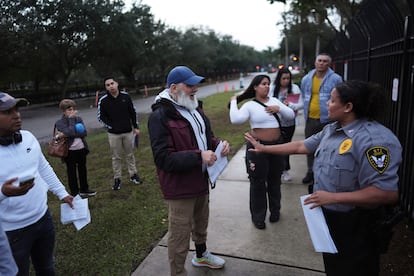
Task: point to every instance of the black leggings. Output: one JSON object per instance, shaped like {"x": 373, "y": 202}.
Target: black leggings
{"x": 288, "y": 131}
{"x": 264, "y": 174}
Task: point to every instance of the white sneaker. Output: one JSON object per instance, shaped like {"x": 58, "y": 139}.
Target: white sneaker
{"x": 286, "y": 176}
{"x": 208, "y": 260}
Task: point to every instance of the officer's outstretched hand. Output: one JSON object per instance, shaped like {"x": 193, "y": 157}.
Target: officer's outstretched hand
{"x": 257, "y": 146}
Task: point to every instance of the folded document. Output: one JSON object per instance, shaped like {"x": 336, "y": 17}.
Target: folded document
{"x": 318, "y": 229}
{"x": 80, "y": 216}
{"x": 218, "y": 167}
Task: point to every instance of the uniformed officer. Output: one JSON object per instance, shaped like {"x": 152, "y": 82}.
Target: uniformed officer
{"x": 355, "y": 175}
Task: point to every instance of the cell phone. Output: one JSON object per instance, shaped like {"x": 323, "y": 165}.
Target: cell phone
{"x": 27, "y": 182}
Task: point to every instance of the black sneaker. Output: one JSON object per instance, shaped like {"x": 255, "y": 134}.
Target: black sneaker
{"x": 135, "y": 179}
{"x": 274, "y": 217}
{"x": 117, "y": 184}
{"x": 87, "y": 193}
{"x": 308, "y": 178}
{"x": 259, "y": 225}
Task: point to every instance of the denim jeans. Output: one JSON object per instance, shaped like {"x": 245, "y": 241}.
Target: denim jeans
{"x": 312, "y": 126}
{"x": 37, "y": 242}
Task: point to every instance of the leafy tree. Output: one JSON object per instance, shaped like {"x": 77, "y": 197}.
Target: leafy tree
{"x": 54, "y": 36}
{"x": 56, "y": 45}
{"x": 315, "y": 20}
{"x": 125, "y": 44}
{"x": 22, "y": 33}
{"x": 75, "y": 25}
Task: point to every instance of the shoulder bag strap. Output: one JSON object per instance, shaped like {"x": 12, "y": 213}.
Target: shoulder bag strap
{"x": 274, "y": 114}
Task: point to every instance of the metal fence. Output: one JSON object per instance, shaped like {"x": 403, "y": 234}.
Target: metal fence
{"x": 378, "y": 46}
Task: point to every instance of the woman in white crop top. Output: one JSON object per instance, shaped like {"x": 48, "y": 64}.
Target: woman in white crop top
{"x": 262, "y": 168}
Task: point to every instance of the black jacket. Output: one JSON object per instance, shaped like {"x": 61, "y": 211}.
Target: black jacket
{"x": 117, "y": 114}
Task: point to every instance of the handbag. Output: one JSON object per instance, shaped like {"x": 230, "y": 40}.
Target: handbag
{"x": 58, "y": 146}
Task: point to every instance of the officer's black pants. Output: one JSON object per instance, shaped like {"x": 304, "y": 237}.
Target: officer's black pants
{"x": 353, "y": 235}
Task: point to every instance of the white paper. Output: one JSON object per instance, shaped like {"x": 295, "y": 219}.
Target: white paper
{"x": 80, "y": 223}
{"x": 318, "y": 229}
{"x": 79, "y": 215}
{"x": 218, "y": 167}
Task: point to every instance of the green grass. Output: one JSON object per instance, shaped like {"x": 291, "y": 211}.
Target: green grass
{"x": 125, "y": 224}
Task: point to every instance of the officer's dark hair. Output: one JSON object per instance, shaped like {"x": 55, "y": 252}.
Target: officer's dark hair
{"x": 250, "y": 93}
{"x": 367, "y": 98}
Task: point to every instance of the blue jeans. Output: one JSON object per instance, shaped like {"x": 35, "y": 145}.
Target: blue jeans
{"x": 36, "y": 241}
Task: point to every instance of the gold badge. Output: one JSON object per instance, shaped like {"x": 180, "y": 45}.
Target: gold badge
{"x": 345, "y": 146}
{"x": 378, "y": 158}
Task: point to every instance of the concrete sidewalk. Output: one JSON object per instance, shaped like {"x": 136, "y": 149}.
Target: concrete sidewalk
{"x": 283, "y": 248}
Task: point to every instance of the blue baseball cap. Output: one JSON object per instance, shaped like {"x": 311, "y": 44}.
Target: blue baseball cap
{"x": 183, "y": 74}
{"x": 7, "y": 101}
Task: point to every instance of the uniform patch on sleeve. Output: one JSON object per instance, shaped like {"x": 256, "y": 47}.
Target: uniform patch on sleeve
{"x": 378, "y": 158}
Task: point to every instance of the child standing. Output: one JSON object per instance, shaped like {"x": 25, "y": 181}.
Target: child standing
{"x": 71, "y": 126}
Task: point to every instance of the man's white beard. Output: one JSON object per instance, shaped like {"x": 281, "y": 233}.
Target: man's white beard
{"x": 185, "y": 101}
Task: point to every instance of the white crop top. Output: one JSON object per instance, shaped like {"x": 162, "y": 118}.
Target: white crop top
{"x": 257, "y": 114}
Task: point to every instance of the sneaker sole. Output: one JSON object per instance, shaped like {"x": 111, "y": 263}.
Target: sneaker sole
{"x": 204, "y": 264}
{"x": 87, "y": 195}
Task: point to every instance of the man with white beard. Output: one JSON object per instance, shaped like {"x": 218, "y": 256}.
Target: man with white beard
{"x": 183, "y": 146}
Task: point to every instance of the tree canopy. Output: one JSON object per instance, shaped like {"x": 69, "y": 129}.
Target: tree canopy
{"x": 58, "y": 45}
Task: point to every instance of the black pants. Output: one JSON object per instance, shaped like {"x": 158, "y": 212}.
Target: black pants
{"x": 264, "y": 174}
{"x": 353, "y": 234}
{"x": 287, "y": 137}
{"x": 76, "y": 167}
{"x": 312, "y": 127}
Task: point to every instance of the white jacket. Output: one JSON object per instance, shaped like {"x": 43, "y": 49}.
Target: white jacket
{"x": 25, "y": 160}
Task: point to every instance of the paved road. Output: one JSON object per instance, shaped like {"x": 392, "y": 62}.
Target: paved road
{"x": 39, "y": 119}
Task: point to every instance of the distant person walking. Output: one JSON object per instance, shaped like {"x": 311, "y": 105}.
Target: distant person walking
{"x": 289, "y": 94}
{"x": 316, "y": 89}
{"x": 183, "y": 146}
{"x": 73, "y": 129}
{"x": 263, "y": 113}
{"x": 117, "y": 113}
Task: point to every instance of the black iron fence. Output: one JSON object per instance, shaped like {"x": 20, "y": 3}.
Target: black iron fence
{"x": 378, "y": 46}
